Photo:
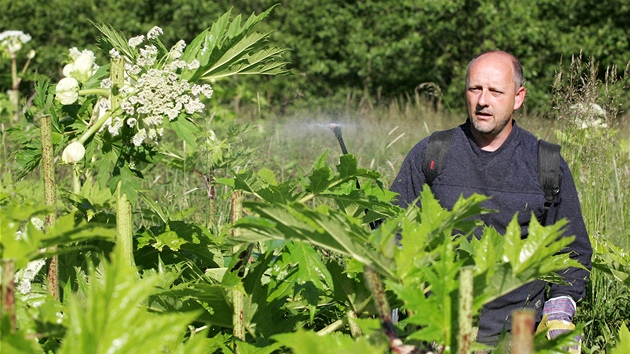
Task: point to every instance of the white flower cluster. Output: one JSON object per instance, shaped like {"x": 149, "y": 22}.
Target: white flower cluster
{"x": 83, "y": 66}
{"x": 154, "y": 92}
{"x": 12, "y": 41}
{"x": 589, "y": 115}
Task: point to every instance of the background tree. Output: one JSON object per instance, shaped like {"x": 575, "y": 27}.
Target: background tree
{"x": 342, "y": 52}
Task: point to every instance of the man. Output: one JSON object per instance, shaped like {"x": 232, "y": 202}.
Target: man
{"x": 491, "y": 155}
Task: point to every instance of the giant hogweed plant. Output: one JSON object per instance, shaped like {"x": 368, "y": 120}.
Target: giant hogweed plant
{"x": 112, "y": 118}
{"x": 422, "y": 275}
{"x": 305, "y": 248}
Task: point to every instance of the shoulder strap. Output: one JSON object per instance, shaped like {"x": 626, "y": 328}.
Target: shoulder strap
{"x": 435, "y": 153}
{"x": 548, "y": 171}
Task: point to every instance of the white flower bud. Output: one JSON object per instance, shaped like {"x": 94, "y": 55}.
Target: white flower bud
{"x": 73, "y": 153}
{"x": 84, "y": 65}
{"x": 67, "y": 91}
{"x": 67, "y": 69}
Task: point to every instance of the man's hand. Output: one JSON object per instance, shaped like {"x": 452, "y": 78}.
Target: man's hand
{"x": 557, "y": 316}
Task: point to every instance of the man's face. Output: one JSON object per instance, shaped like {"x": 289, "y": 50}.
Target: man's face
{"x": 491, "y": 94}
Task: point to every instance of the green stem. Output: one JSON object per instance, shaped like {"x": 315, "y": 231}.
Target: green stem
{"x": 15, "y": 94}
{"x": 76, "y": 183}
{"x": 523, "y": 331}
{"x": 331, "y": 328}
{"x": 238, "y": 320}
{"x": 93, "y": 129}
{"x": 124, "y": 230}
{"x": 464, "y": 332}
{"x": 95, "y": 91}
{"x": 355, "y": 331}
{"x": 124, "y": 221}
{"x": 8, "y": 292}
{"x": 50, "y": 198}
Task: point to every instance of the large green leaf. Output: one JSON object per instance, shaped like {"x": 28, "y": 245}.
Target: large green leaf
{"x": 111, "y": 316}
{"x": 227, "y": 49}
{"x": 323, "y": 227}
{"x": 31, "y": 242}
{"x": 303, "y": 342}
{"x": 505, "y": 262}
{"x": 211, "y": 298}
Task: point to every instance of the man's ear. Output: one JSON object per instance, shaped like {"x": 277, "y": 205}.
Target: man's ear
{"x": 520, "y": 97}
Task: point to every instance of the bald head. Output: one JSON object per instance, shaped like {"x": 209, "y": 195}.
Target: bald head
{"x": 499, "y": 55}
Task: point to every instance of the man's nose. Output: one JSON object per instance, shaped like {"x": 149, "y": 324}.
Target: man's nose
{"x": 482, "y": 99}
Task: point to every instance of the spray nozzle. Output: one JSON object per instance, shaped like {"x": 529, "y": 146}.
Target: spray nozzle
{"x": 336, "y": 128}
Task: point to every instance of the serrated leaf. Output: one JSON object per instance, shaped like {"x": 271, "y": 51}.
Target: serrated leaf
{"x": 211, "y": 298}
{"x": 320, "y": 180}
{"x": 169, "y": 239}
{"x": 111, "y": 317}
{"x": 303, "y": 342}
{"x": 186, "y": 130}
{"x": 129, "y": 183}
{"x": 227, "y": 49}
{"x": 623, "y": 343}
{"x": 323, "y": 227}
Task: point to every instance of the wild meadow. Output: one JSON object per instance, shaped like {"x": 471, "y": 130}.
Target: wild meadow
{"x": 135, "y": 221}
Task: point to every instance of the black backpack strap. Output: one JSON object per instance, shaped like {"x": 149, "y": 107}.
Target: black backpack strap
{"x": 435, "y": 153}
{"x": 548, "y": 172}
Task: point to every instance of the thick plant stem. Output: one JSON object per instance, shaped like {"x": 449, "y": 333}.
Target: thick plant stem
{"x": 124, "y": 225}
{"x": 14, "y": 94}
{"x": 8, "y": 291}
{"x": 385, "y": 314}
{"x": 464, "y": 334}
{"x": 355, "y": 331}
{"x": 523, "y": 331}
{"x": 117, "y": 74}
{"x": 50, "y": 198}
{"x": 238, "y": 316}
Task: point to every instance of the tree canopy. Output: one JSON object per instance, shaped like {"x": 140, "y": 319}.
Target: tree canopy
{"x": 345, "y": 50}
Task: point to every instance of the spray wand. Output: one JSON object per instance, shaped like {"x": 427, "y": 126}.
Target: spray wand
{"x": 376, "y": 286}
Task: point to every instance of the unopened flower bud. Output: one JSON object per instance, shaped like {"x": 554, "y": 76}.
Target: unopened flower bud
{"x": 67, "y": 91}
{"x": 67, "y": 70}
{"x": 83, "y": 66}
{"x": 73, "y": 153}
{"x": 31, "y": 54}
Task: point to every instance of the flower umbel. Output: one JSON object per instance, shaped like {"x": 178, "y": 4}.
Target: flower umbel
{"x": 154, "y": 93}
{"x": 12, "y": 41}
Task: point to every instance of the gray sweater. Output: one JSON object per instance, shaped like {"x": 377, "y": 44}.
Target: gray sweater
{"x": 509, "y": 176}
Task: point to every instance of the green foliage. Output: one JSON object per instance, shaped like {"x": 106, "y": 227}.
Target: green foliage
{"x": 24, "y": 241}
{"x": 227, "y": 49}
{"x": 623, "y": 344}
{"x": 303, "y": 342}
{"x": 587, "y": 108}
{"x": 298, "y": 256}
{"x": 109, "y": 316}
{"x": 428, "y": 259}
{"x": 341, "y": 50}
